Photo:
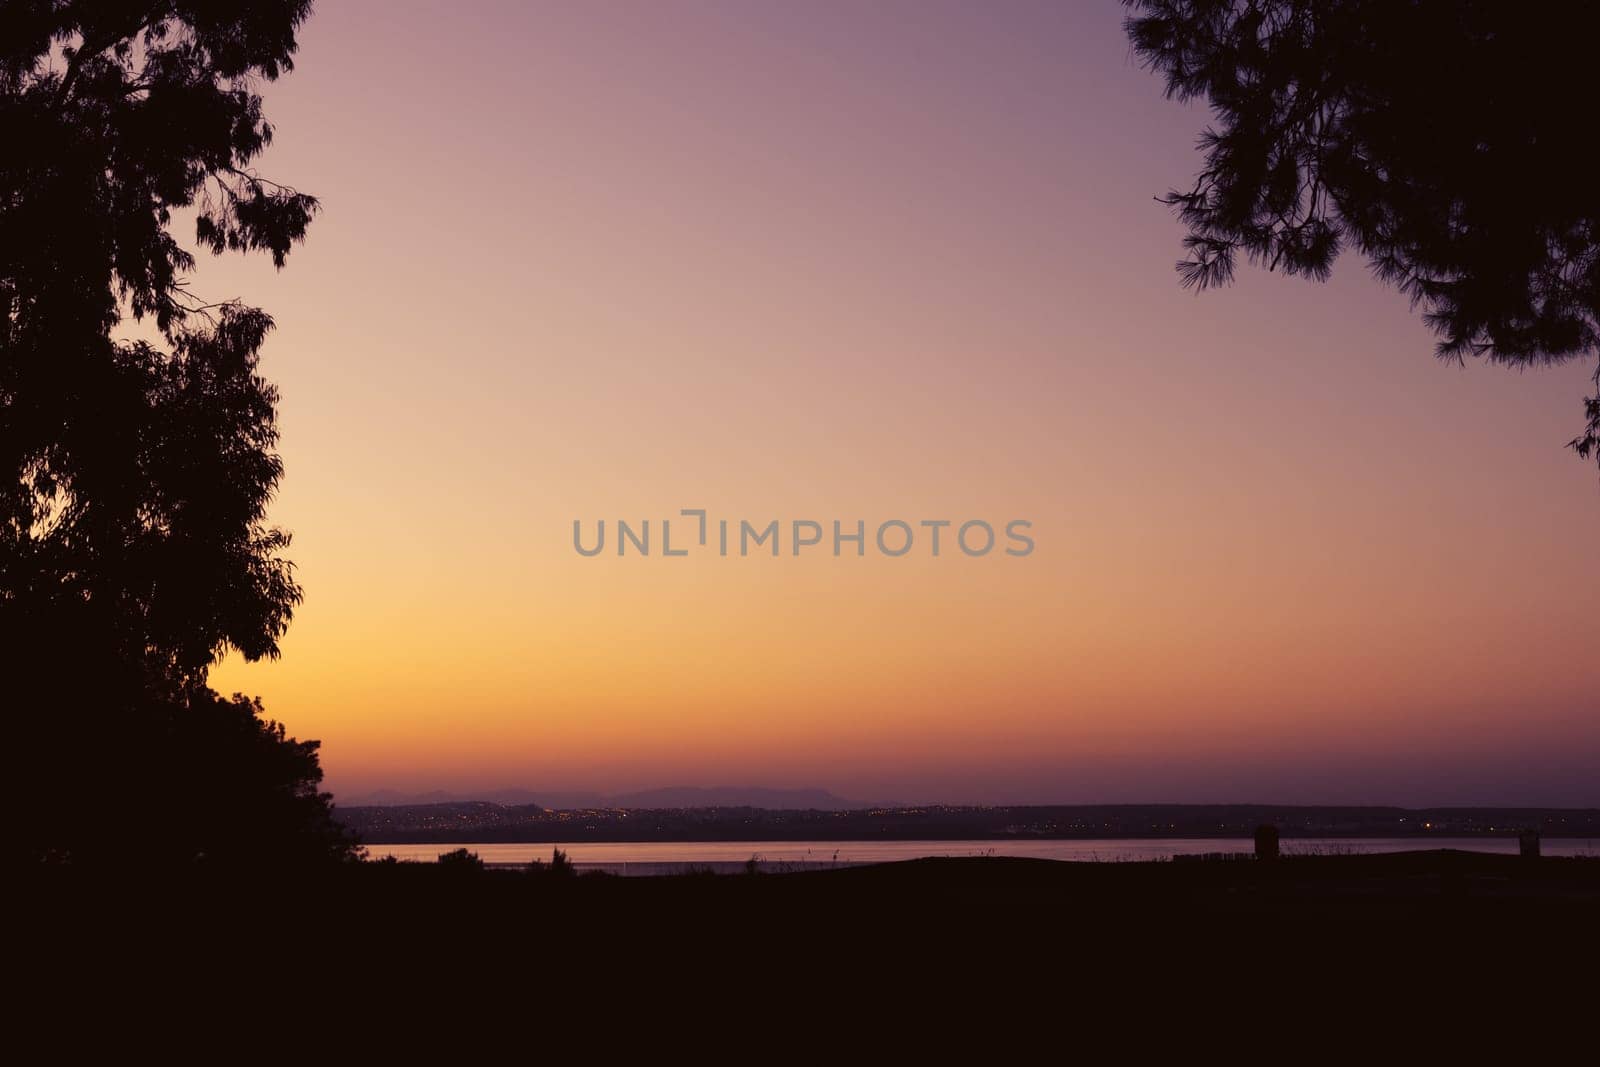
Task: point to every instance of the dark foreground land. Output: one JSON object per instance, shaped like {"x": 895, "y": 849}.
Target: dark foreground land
{"x": 925, "y": 918}
{"x": 982, "y": 959}
{"x": 1430, "y": 956}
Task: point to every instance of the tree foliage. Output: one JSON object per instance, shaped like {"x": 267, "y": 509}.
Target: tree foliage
{"x": 1449, "y": 141}
{"x": 135, "y": 474}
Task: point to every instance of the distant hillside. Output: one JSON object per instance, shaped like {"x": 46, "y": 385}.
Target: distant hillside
{"x": 708, "y": 815}
{"x": 732, "y": 797}
{"x": 671, "y": 797}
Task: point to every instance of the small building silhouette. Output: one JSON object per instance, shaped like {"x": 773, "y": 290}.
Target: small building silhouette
{"x": 1529, "y": 842}
{"x": 1266, "y": 842}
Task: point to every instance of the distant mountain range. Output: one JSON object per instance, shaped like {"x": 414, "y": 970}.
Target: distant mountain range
{"x": 672, "y": 797}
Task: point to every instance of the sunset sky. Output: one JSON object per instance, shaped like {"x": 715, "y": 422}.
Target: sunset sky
{"x": 875, "y": 261}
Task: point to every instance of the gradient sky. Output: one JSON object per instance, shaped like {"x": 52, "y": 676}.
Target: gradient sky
{"x": 888, "y": 260}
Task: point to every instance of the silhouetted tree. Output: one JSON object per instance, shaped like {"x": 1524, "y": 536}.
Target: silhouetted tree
{"x": 1450, "y": 141}
{"x": 135, "y": 474}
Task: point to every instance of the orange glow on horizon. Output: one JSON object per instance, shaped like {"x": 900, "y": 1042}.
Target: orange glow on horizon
{"x": 829, "y": 264}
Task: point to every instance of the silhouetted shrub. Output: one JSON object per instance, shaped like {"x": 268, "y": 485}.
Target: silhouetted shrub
{"x": 461, "y": 861}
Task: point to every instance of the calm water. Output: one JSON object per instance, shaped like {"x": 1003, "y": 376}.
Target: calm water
{"x": 661, "y": 857}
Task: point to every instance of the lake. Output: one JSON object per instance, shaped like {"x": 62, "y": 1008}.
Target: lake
{"x": 667, "y": 857}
